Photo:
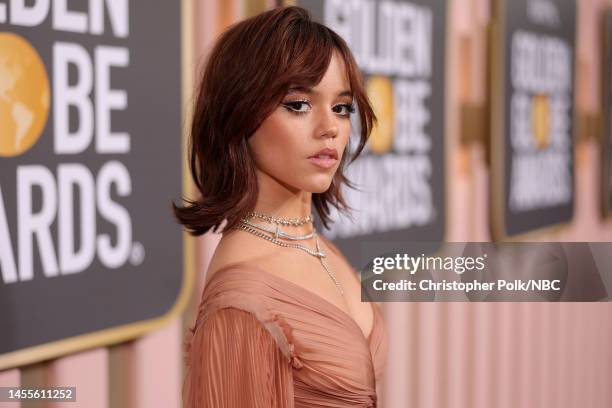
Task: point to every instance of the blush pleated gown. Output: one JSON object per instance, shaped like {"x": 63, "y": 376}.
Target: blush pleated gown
{"x": 262, "y": 341}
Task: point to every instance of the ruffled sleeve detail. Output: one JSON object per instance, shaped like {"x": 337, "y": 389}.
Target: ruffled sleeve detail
{"x": 233, "y": 360}
{"x": 273, "y": 322}
{"x": 289, "y": 339}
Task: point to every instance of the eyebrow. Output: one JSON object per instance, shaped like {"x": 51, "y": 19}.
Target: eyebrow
{"x": 307, "y": 90}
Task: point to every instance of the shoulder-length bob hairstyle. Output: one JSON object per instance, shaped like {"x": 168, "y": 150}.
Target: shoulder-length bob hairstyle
{"x": 248, "y": 73}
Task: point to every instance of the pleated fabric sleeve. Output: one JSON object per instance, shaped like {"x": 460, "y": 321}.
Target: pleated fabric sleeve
{"x": 232, "y": 361}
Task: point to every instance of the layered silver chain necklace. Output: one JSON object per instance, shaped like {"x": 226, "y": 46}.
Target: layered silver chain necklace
{"x": 275, "y": 235}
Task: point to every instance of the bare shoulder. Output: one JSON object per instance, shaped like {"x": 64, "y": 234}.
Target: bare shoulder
{"x": 237, "y": 246}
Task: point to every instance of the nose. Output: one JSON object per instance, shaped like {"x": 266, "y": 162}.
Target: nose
{"x": 328, "y": 127}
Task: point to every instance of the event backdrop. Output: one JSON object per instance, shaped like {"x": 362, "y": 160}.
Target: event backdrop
{"x": 532, "y": 138}
{"x": 90, "y": 144}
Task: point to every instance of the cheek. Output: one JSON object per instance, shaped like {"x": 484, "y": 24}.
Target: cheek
{"x": 278, "y": 137}
{"x": 344, "y": 135}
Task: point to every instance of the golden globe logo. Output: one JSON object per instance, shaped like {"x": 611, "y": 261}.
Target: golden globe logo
{"x": 24, "y": 95}
{"x": 83, "y": 106}
{"x": 540, "y": 122}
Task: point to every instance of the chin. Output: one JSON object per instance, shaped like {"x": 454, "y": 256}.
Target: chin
{"x": 318, "y": 186}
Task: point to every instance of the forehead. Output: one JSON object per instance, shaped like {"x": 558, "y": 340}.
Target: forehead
{"x": 336, "y": 75}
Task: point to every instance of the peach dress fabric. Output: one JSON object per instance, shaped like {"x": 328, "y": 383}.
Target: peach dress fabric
{"x": 260, "y": 340}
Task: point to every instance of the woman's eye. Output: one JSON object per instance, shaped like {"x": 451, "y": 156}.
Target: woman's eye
{"x": 344, "y": 109}
{"x": 297, "y": 106}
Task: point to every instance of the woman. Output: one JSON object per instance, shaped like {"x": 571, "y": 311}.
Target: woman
{"x": 281, "y": 322}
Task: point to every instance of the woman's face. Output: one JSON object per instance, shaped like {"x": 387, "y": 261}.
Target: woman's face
{"x": 300, "y": 144}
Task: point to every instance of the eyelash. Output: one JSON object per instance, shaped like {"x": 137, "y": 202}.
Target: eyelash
{"x": 290, "y": 106}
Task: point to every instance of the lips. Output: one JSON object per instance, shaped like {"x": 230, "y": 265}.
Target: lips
{"x": 325, "y": 158}
{"x": 327, "y": 153}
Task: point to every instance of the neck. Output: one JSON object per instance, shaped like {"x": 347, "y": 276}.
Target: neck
{"x": 280, "y": 200}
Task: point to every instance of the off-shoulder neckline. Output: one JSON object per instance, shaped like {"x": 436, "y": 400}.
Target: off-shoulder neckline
{"x": 313, "y": 295}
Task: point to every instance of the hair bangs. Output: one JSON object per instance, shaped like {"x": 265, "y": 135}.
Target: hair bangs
{"x": 309, "y": 56}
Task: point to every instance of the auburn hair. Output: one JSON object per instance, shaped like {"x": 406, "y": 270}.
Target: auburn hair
{"x": 248, "y": 73}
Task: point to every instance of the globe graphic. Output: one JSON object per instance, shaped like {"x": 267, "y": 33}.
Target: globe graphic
{"x": 24, "y": 95}
{"x": 540, "y": 120}
{"x": 380, "y": 93}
